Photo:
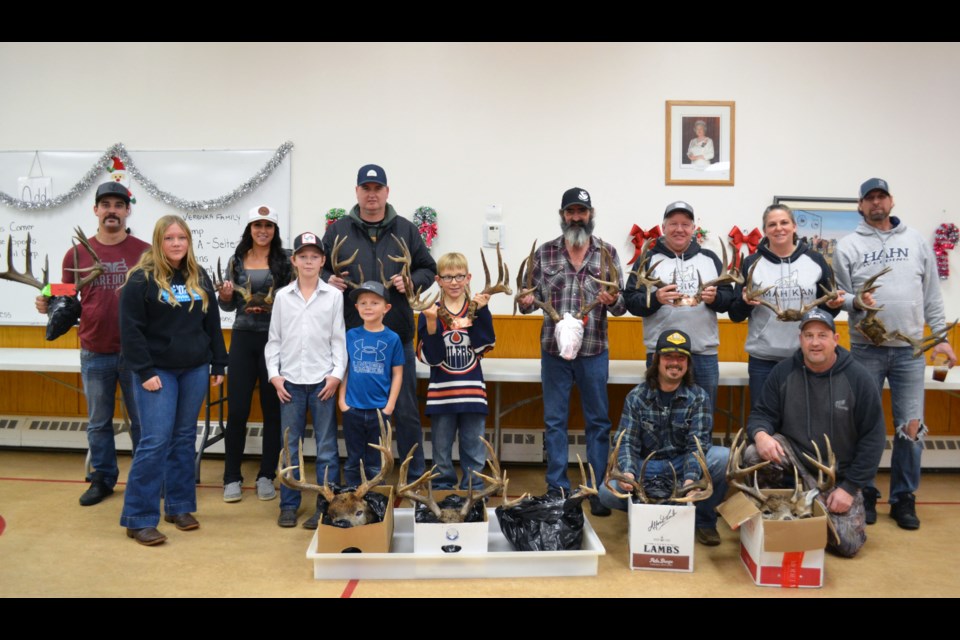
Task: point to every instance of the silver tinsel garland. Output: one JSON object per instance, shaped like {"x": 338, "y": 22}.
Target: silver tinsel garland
{"x": 150, "y": 187}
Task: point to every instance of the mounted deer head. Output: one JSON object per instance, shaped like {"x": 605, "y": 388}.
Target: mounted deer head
{"x": 347, "y": 508}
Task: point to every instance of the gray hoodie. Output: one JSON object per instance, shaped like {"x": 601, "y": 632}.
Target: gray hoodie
{"x": 910, "y": 293}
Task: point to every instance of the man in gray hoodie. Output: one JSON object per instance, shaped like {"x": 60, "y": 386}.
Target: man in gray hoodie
{"x": 910, "y": 296}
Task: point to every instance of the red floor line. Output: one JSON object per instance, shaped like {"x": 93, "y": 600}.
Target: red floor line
{"x": 119, "y": 484}
{"x": 348, "y": 590}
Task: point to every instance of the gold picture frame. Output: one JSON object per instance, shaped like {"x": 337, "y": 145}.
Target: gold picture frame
{"x": 695, "y": 157}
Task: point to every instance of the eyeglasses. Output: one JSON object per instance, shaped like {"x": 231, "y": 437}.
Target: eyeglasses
{"x": 460, "y": 277}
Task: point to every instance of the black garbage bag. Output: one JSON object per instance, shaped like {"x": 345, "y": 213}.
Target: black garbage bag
{"x": 423, "y": 515}
{"x": 63, "y": 312}
{"x": 377, "y": 502}
{"x": 544, "y": 524}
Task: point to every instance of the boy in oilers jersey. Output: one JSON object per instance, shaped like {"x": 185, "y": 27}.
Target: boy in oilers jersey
{"x": 374, "y": 376}
{"x": 452, "y": 337}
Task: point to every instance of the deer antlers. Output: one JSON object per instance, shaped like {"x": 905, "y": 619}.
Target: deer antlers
{"x": 503, "y": 281}
{"x": 26, "y": 277}
{"x": 609, "y": 278}
{"x": 644, "y": 274}
{"x": 386, "y": 465}
{"x": 785, "y": 315}
{"x": 700, "y": 490}
{"x": 411, "y": 490}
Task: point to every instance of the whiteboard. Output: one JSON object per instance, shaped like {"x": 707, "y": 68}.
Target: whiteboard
{"x": 192, "y": 175}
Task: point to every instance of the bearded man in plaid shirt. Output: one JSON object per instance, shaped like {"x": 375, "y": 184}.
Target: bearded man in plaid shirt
{"x": 562, "y": 270}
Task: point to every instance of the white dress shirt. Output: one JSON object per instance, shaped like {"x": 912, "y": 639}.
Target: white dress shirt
{"x": 307, "y": 337}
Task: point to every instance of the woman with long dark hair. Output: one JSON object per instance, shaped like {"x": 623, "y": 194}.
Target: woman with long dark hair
{"x": 171, "y": 339}
{"x": 259, "y": 267}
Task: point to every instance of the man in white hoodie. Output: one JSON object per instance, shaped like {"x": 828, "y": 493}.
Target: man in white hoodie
{"x": 910, "y": 296}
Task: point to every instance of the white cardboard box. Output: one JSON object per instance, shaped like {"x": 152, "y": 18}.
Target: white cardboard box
{"x": 778, "y": 553}
{"x": 661, "y": 536}
{"x": 502, "y": 560}
{"x": 439, "y": 537}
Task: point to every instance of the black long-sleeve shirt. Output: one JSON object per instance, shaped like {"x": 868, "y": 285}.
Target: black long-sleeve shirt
{"x": 155, "y": 334}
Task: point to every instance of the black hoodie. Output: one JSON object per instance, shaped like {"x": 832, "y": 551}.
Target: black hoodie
{"x": 842, "y": 402}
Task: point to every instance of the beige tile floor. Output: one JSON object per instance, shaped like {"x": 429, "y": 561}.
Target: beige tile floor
{"x": 50, "y": 546}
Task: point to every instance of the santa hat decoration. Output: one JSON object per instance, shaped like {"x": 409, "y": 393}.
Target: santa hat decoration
{"x": 119, "y": 174}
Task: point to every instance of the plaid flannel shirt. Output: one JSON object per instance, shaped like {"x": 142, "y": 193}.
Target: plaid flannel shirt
{"x": 669, "y": 430}
{"x": 560, "y": 284}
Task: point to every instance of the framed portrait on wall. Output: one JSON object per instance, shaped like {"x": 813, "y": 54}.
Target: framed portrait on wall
{"x": 700, "y": 142}
{"x": 823, "y": 221}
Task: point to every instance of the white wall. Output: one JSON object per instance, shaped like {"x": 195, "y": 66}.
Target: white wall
{"x": 459, "y": 126}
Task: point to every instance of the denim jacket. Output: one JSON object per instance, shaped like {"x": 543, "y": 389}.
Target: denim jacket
{"x": 669, "y": 431}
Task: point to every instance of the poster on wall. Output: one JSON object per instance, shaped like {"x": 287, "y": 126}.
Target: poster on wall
{"x": 180, "y": 177}
{"x": 822, "y": 221}
{"x": 700, "y": 136}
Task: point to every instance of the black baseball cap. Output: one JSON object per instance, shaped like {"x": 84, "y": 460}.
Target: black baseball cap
{"x": 112, "y": 189}
{"x": 306, "y": 239}
{"x": 370, "y": 286}
{"x": 674, "y": 341}
{"x": 576, "y": 195}
{"x": 371, "y": 173}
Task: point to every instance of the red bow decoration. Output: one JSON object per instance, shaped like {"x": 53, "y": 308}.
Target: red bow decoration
{"x": 639, "y": 238}
{"x": 738, "y": 239}
{"x": 945, "y": 239}
{"x": 428, "y": 231}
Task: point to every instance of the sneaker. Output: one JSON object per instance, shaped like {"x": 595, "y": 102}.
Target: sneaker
{"x": 870, "y": 496}
{"x": 232, "y": 492}
{"x": 288, "y": 518}
{"x": 904, "y": 511}
{"x": 265, "y": 489}
{"x": 707, "y": 536}
{"x": 597, "y": 508}
{"x": 97, "y": 491}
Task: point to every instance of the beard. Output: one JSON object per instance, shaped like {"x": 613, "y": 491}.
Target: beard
{"x": 577, "y": 233}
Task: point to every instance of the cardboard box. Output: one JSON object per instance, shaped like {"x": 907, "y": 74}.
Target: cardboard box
{"x": 439, "y": 537}
{"x": 661, "y": 536}
{"x": 778, "y": 553}
{"x": 370, "y": 538}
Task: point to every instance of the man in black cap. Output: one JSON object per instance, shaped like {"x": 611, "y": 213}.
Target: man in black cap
{"x": 666, "y": 415}
{"x": 563, "y": 272}
{"x": 910, "y": 296}
{"x": 101, "y": 363}
{"x": 822, "y": 392}
{"x": 368, "y": 229}
{"x": 679, "y": 261}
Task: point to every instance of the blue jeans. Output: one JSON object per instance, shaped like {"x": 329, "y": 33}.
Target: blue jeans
{"x": 293, "y": 417}
{"x": 905, "y": 374}
{"x": 758, "y": 370}
{"x": 165, "y": 456}
{"x": 406, "y": 416}
{"x": 706, "y": 517}
{"x": 558, "y": 376}
{"x": 706, "y": 375}
{"x": 100, "y": 373}
{"x": 361, "y": 427}
{"x": 473, "y": 455}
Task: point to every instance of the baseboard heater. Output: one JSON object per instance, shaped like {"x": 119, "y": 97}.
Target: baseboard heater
{"x": 517, "y": 445}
